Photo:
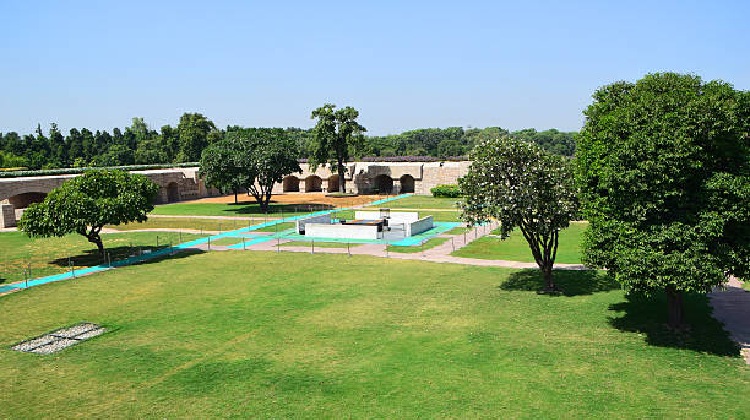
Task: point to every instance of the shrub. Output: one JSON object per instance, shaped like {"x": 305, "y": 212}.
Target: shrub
{"x": 446, "y": 191}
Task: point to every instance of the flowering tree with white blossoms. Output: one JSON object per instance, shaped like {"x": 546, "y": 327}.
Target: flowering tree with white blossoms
{"x": 521, "y": 186}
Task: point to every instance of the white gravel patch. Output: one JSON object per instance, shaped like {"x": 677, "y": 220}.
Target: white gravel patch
{"x": 60, "y": 339}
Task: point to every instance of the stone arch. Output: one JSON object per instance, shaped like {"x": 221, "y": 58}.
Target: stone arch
{"x": 333, "y": 183}
{"x": 313, "y": 183}
{"x": 407, "y": 184}
{"x": 383, "y": 184}
{"x": 173, "y": 192}
{"x": 290, "y": 184}
{"x": 21, "y": 201}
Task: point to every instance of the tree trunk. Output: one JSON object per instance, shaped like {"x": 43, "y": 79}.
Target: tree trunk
{"x": 676, "y": 308}
{"x": 549, "y": 283}
{"x": 235, "y": 190}
{"x": 342, "y": 181}
{"x": 94, "y": 238}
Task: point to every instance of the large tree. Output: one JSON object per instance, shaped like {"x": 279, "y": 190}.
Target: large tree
{"x": 664, "y": 170}
{"x": 85, "y": 204}
{"x": 521, "y": 186}
{"x": 250, "y": 158}
{"x": 334, "y": 133}
{"x": 195, "y": 132}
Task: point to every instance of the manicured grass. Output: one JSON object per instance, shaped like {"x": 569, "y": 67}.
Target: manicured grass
{"x": 277, "y": 227}
{"x": 458, "y": 230}
{"x": 186, "y": 223}
{"x": 47, "y": 256}
{"x": 251, "y": 334}
{"x": 515, "y": 247}
{"x": 244, "y": 208}
{"x": 430, "y": 243}
{"x": 318, "y": 244}
{"x": 441, "y": 215}
{"x": 421, "y": 202}
{"x": 225, "y": 241}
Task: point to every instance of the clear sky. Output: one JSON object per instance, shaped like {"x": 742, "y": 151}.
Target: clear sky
{"x": 402, "y": 64}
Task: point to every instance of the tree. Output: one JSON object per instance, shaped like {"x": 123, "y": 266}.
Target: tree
{"x": 85, "y": 204}
{"x": 664, "y": 171}
{"x": 222, "y": 164}
{"x": 524, "y": 187}
{"x": 251, "y": 158}
{"x": 334, "y": 133}
{"x": 194, "y": 131}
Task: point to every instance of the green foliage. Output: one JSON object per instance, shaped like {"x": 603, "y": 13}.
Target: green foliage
{"x": 664, "y": 171}
{"x": 521, "y": 186}
{"x": 335, "y": 132}
{"x": 195, "y": 133}
{"x": 446, "y": 191}
{"x": 85, "y": 204}
{"x": 250, "y": 158}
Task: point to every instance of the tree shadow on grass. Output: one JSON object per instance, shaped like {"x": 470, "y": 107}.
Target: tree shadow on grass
{"x": 91, "y": 257}
{"x": 648, "y": 316}
{"x": 570, "y": 282}
{"x": 246, "y": 207}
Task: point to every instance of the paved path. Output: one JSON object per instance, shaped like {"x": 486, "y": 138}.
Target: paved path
{"x": 732, "y": 308}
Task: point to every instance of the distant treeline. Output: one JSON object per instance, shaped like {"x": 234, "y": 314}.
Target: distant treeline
{"x": 141, "y": 145}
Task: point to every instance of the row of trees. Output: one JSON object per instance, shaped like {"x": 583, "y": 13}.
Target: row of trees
{"x": 138, "y": 144}
{"x": 662, "y": 176}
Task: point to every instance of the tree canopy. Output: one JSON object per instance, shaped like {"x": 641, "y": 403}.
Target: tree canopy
{"x": 250, "y": 158}
{"x": 664, "y": 172}
{"x": 335, "y": 133}
{"x": 521, "y": 186}
{"x": 85, "y": 204}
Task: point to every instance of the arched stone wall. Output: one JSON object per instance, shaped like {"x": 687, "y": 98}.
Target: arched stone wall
{"x": 21, "y": 201}
{"x": 407, "y": 184}
{"x": 313, "y": 184}
{"x": 290, "y": 184}
{"x": 383, "y": 184}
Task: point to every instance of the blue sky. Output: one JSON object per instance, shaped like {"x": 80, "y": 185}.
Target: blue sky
{"x": 403, "y": 64}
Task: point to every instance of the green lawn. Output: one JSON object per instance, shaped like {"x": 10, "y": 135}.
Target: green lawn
{"x": 430, "y": 243}
{"x": 277, "y": 227}
{"x": 421, "y": 202}
{"x": 515, "y": 248}
{"x": 187, "y": 223}
{"x": 48, "y": 256}
{"x": 281, "y": 335}
{"x": 249, "y": 208}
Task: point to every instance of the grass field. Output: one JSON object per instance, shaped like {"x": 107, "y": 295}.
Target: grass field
{"x": 240, "y": 334}
{"x": 417, "y": 202}
{"x": 243, "y": 209}
{"x": 48, "y": 256}
{"x": 515, "y": 247}
{"x": 277, "y": 227}
{"x": 186, "y": 223}
{"x": 430, "y": 243}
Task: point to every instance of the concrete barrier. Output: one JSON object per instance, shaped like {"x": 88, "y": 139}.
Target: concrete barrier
{"x": 322, "y": 219}
{"x": 419, "y": 226}
{"x": 322, "y": 230}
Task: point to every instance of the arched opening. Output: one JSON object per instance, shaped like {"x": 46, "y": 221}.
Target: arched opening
{"x": 333, "y": 183}
{"x": 313, "y": 184}
{"x": 407, "y": 184}
{"x": 383, "y": 184}
{"x": 290, "y": 184}
{"x": 173, "y": 192}
{"x": 21, "y": 201}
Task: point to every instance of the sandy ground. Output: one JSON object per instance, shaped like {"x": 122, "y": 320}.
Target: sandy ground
{"x": 295, "y": 198}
